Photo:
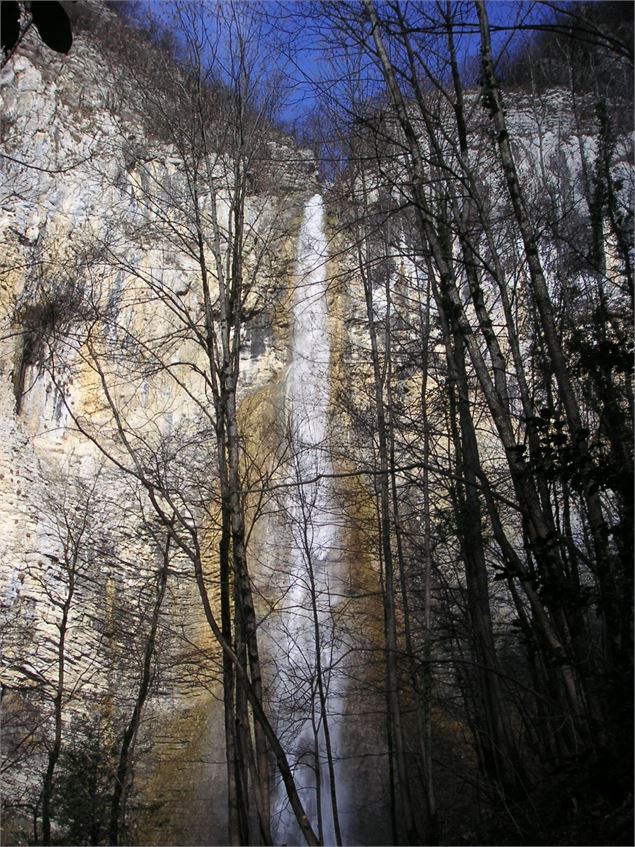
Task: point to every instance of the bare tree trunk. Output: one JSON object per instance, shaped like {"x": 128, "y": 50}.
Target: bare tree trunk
{"x": 130, "y": 732}
{"x": 406, "y": 815}
{"x": 539, "y": 529}
{"x": 228, "y": 351}
{"x": 424, "y": 309}
{"x": 551, "y": 336}
{"x": 322, "y": 693}
{"x": 58, "y": 705}
{"x": 256, "y": 704}
{"x": 158, "y": 499}
{"x": 448, "y": 303}
{"x": 421, "y": 698}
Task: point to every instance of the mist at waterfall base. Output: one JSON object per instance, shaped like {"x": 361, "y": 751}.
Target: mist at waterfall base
{"x": 307, "y": 641}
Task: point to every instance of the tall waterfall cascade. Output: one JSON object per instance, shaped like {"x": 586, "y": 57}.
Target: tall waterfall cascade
{"x": 310, "y": 678}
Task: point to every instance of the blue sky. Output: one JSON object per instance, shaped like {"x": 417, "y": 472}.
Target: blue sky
{"x": 296, "y": 43}
{"x": 312, "y": 66}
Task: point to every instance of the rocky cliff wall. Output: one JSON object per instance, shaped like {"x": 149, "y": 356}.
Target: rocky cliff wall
{"x": 100, "y": 311}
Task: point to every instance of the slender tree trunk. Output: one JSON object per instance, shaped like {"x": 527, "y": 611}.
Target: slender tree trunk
{"x": 406, "y": 817}
{"x": 551, "y": 336}
{"x": 58, "y": 703}
{"x": 53, "y": 756}
{"x": 130, "y": 732}
{"x": 538, "y": 527}
{"x": 427, "y": 579}
{"x": 421, "y": 699}
{"x": 324, "y": 723}
{"x": 256, "y": 704}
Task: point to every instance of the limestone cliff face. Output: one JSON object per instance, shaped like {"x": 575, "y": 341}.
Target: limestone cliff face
{"x": 103, "y": 381}
{"x": 100, "y": 311}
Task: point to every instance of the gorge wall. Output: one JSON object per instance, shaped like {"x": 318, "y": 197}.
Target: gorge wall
{"x": 60, "y": 220}
{"x": 100, "y": 313}
{"x": 120, "y": 205}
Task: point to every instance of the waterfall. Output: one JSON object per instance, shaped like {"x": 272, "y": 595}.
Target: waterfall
{"x": 309, "y": 651}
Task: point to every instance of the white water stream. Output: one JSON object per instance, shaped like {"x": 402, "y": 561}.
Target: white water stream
{"x": 309, "y": 649}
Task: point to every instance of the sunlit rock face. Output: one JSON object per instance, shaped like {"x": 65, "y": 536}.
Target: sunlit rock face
{"x": 95, "y": 293}
{"x": 556, "y": 150}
